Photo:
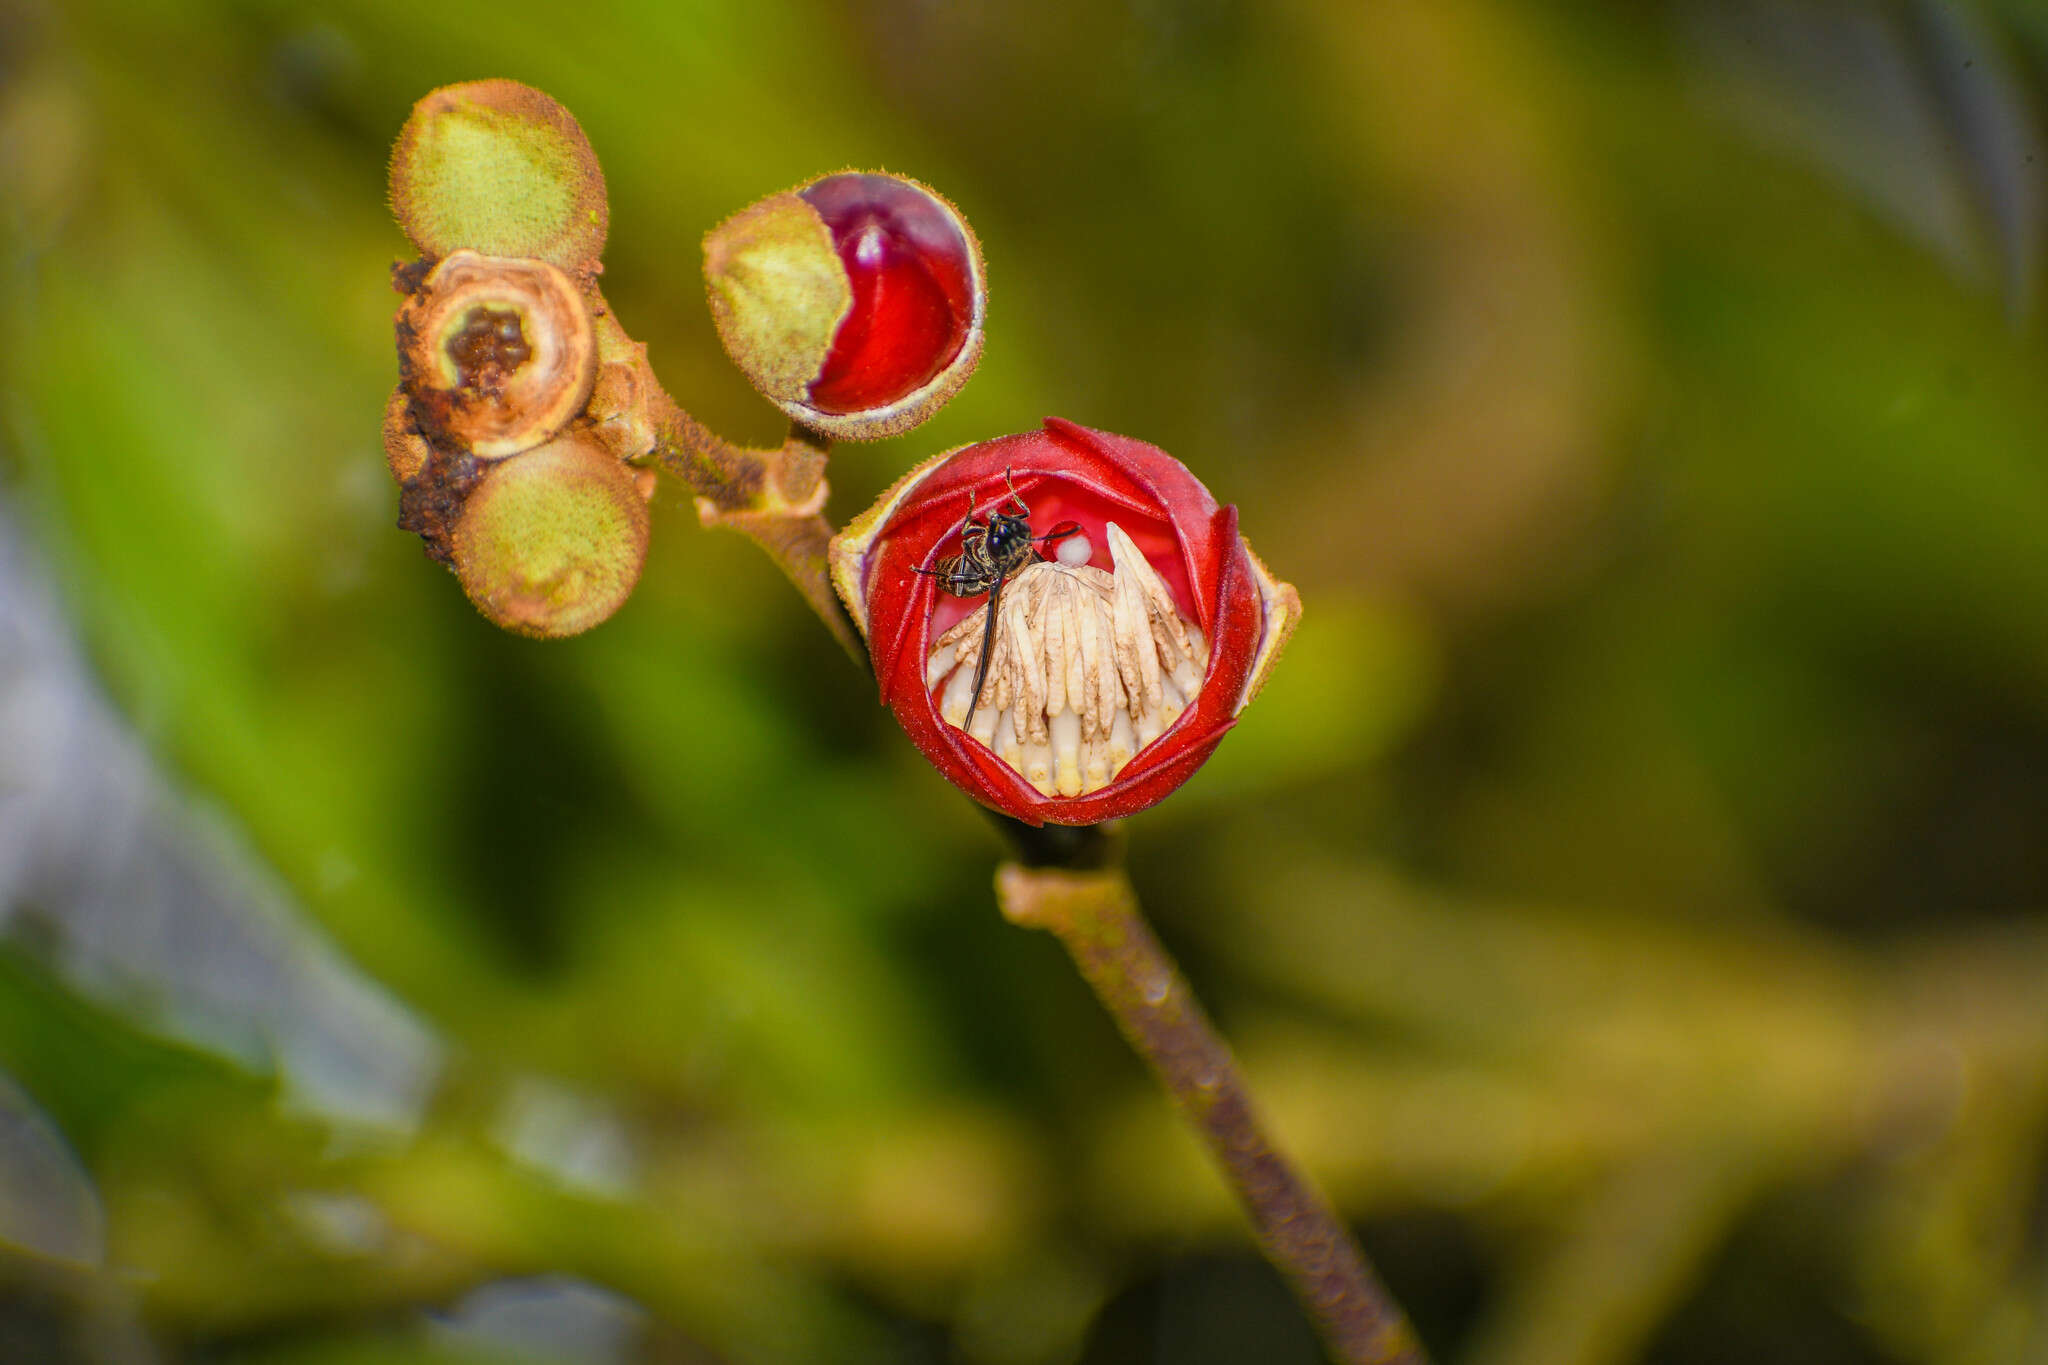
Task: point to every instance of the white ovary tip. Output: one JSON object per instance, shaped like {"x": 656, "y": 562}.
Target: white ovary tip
{"x": 1123, "y": 743}
{"x": 1037, "y": 767}
{"x": 1075, "y": 550}
{"x": 1171, "y": 703}
{"x": 1066, "y": 754}
{"x": 953, "y": 704}
{"x": 1149, "y": 727}
{"x": 1094, "y": 764}
{"x": 984, "y": 726}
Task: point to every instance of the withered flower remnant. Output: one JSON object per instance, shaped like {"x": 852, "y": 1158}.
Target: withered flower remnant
{"x": 1117, "y": 663}
{"x": 498, "y": 353}
{"x": 855, "y": 303}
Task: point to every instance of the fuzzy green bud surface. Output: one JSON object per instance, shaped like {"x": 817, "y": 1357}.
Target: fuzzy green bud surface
{"x": 501, "y": 168}
{"x": 552, "y": 541}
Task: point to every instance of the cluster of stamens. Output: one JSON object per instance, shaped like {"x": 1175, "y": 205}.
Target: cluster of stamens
{"x": 1086, "y": 667}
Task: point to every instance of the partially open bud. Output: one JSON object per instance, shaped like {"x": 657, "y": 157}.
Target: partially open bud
{"x": 550, "y": 542}
{"x": 497, "y": 353}
{"x": 854, "y": 303}
{"x": 501, "y": 168}
{"x": 1064, "y": 621}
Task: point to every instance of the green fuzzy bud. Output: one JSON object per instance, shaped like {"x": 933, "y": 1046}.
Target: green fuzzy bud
{"x": 501, "y": 168}
{"x": 551, "y": 542}
{"x": 777, "y": 292}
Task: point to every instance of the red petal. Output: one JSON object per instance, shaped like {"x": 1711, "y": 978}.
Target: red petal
{"x": 908, "y": 264}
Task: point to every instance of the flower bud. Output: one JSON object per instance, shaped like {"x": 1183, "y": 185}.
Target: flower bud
{"x": 500, "y": 168}
{"x": 854, "y": 303}
{"x": 405, "y": 451}
{"x": 1125, "y": 640}
{"x": 498, "y": 354}
{"x": 622, "y": 406}
{"x": 550, "y": 542}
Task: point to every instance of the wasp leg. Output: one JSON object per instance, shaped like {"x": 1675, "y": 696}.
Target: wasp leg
{"x": 988, "y": 647}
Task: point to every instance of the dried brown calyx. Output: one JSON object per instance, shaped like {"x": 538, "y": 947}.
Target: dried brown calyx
{"x": 497, "y": 353}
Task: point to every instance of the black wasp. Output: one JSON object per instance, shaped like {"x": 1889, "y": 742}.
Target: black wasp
{"x": 991, "y": 553}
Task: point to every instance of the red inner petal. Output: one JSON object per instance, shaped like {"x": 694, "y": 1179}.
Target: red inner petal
{"x": 912, "y": 292}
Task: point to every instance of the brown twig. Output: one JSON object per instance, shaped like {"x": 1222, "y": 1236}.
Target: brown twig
{"x": 1095, "y": 916}
{"x": 776, "y": 498}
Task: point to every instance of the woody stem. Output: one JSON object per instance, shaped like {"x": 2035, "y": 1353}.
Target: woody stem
{"x": 776, "y": 498}
{"x": 1089, "y": 905}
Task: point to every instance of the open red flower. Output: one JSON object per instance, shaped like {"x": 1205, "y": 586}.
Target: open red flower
{"x": 1125, "y": 642}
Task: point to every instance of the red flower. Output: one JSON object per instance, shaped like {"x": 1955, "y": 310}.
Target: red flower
{"x": 1125, "y": 645}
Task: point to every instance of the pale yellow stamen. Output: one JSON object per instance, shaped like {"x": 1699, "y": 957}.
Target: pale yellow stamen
{"x": 1086, "y": 668}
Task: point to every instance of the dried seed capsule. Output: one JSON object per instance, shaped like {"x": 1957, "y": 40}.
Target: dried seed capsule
{"x": 854, "y": 303}
{"x": 497, "y": 353}
{"x": 551, "y": 541}
{"x": 1114, "y": 668}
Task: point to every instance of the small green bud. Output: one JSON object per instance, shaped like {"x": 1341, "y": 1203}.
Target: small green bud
{"x": 778, "y": 294}
{"x": 551, "y": 542}
{"x": 499, "y": 167}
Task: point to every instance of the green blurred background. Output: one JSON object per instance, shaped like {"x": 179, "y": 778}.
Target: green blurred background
{"x": 1628, "y": 897}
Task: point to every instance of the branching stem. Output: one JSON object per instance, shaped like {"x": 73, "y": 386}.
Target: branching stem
{"x": 776, "y": 498}
{"x": 1072, "y": 884}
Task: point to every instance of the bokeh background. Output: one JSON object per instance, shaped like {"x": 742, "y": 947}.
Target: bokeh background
{"x": 1628, "y": 897}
